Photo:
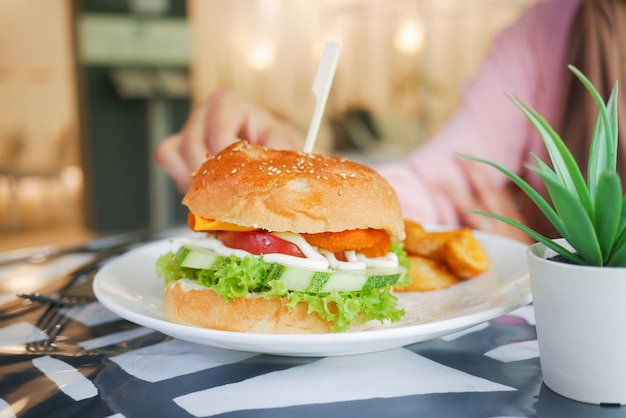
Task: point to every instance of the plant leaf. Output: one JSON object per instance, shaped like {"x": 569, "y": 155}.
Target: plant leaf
{"x": 603, "y": 150}
{"x": 608, "y": 116}
{"x": 544, "y": 169}
{"x": 618, "y": 256}
{"x": 564, "y": 164}
{"x": 578, "y": 227}
{"x": 559, "y": 249}
{"x": 597, "y": 158}
{"x": 604, "y": 115}
{"x": 622, "y": 223}
{"x": 541, "y": 203}
{"x": 608, "y": 211}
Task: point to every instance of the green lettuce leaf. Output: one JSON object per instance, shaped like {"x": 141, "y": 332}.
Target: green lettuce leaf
{"x": 236, "y": 277}
{"x": 403, "y": 261}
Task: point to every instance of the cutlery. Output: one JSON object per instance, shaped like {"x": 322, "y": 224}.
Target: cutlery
{"x": 22, "y": 300}
{"x": 45, "y": 253}
{"x": 74, "y": 295}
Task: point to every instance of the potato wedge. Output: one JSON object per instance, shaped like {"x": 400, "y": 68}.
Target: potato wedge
{"x": 427, "y": 244}
{"x": 427, "y": 274}
{"x": 465, "y": 255}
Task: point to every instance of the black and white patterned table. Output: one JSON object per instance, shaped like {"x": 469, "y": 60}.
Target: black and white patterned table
{"x": 84, "y": 361}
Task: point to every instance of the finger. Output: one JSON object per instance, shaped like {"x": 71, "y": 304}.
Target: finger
{"x": 172, "y": 162}
{"x": 484, "y": 189}
{"x": 487, "y": 196}
{"x": 283, "y": 135}
{"x": 226, "y": 119}
{"x": 461, "y": 198}
{"x": 477, "y": 195}
{"x": 191, "y": 145}
{"x": 231, "y": 117}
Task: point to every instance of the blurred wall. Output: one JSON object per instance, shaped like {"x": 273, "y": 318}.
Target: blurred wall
{"x": 402, "y": 61}
{"x": 37, "y": 78}
{"x": 39, "y": 141}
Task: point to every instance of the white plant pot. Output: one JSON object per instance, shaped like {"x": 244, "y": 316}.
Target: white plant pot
{"x": 580, "y": 314}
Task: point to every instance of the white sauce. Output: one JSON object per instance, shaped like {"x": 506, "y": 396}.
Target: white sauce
{"x": 316, "y": 259}
{"x": 343, "y": 265}
{"x": 390, "y": 260}
{"x": 187, "y": 285}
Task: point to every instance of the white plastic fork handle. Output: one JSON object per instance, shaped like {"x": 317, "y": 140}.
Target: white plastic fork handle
{"x": 321, "y": 88}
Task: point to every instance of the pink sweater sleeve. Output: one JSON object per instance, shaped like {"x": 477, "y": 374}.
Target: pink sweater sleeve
{"x": 526, "y": 60}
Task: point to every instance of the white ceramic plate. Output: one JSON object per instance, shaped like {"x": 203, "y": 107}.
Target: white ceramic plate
{"x": 129, "y": 287}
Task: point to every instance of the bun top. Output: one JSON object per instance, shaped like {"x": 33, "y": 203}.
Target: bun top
{"x": 289, "y": 191}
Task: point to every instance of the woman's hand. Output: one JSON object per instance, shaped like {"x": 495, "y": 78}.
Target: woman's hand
{"x": 220, "y": 120}
{"x": 485, "y": 195}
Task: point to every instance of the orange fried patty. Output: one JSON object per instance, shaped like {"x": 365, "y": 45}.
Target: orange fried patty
{"x": 370, "y": 242}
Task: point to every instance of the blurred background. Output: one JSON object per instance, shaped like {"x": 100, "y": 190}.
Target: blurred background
{"x": 88, "y": 88}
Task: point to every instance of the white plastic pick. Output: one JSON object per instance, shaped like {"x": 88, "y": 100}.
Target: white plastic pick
{"x": 321, "y": 87}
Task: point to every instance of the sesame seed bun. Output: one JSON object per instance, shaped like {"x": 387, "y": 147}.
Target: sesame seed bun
{"x": 290, "y": 191}
{"x": 193, "y": 305}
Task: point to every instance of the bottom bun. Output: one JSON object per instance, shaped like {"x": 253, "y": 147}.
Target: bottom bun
{"x": 188, "y": 304}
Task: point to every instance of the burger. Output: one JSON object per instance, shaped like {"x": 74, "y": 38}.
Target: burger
{"x": 285, "y": 242}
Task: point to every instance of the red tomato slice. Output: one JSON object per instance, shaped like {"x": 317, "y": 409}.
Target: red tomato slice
{"x": 258, "y": 242}
{"x": 341, "y": 256}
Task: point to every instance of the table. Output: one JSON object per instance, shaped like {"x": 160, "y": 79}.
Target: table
{"x": 85, "y": 361}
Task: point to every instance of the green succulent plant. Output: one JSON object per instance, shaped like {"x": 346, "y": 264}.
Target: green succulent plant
{"x": 590, "y": 215}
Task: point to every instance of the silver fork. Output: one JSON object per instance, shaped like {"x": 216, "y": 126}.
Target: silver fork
{"x": 77, "y": 294}
{"x": 52, "y": 322}
{"x": 65, "y": 283}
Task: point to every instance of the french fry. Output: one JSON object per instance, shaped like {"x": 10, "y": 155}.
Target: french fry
{"x": 428, "y": 274}
{"x": 465, "y": 256}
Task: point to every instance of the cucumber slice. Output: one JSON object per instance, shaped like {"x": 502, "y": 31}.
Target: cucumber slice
{"x": 298, "y": 278}
{"x": 195, "y": 258}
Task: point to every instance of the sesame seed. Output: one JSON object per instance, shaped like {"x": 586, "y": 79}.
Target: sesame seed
{"x": 219, "y": 157}
{"x": 233, "y": 171}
